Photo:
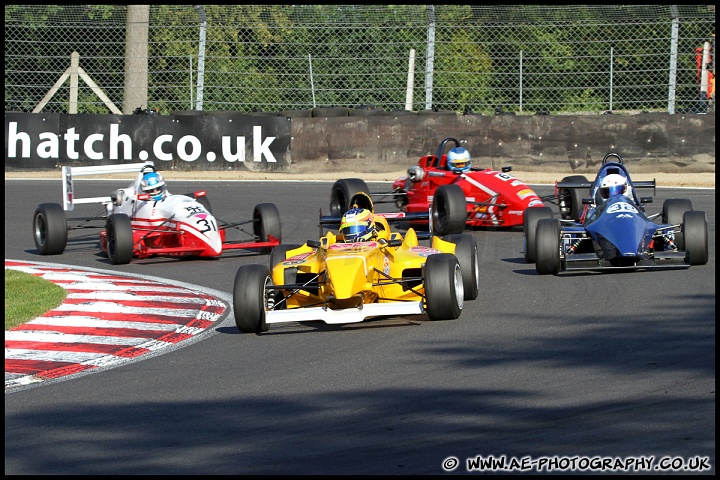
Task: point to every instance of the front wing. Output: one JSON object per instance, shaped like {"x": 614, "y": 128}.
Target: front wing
{"x": 591, "y": 261}
{"x": 345, "y": 315}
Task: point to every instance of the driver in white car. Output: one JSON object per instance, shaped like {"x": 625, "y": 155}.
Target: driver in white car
{"x": 153, "y": 184}
{"x": 150, "y": 183}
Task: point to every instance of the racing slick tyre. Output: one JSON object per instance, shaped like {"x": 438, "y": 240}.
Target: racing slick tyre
{"x": 547, "y": 248}
{"x": 342, "y": 191}
{"x": 694, "y": 229}
{"x": 278, "y": 254}
{"x": 571, "y": 206}
{"x": 266, "y": 222}
{"x": 249, "y": 299}
{"x": 119, "y": 239}
{"x": 449, "y": 210}
{"x": 672, "y": 214}
{"x": 50, "y": 229}
{"x": 467, "y": 254}
{"x": 443, "y": 287}
{"x": 530, "y": 221}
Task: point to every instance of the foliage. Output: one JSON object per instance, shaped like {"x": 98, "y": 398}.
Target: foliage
{"x": 283, "y": 57}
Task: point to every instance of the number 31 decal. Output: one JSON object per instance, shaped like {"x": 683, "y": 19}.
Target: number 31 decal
{"x": 205, "y": 225}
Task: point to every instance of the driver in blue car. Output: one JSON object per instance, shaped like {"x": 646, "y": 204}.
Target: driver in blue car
{"x": 614, "y": 184}
{"x": 458, "y": 160}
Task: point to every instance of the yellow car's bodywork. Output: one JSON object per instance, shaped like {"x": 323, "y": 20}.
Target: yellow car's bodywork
{"x": 342, "y": 282}
{"x": 339, "y": 282}
{"x": 359, "y": 272}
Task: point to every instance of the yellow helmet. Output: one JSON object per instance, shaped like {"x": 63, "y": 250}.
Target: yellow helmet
{"x": 357, "y": 225}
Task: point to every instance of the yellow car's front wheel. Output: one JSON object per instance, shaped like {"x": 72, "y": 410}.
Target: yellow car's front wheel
{"x": 250, "y": 298}
{"x": 444, "y": 293}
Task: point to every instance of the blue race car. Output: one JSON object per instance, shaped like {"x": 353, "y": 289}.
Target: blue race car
{"x": 612, "y": 230}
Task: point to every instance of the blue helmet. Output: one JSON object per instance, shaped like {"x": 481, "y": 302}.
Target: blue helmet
{"x": 154, "y": 185}
{"x": 458, "y": 160}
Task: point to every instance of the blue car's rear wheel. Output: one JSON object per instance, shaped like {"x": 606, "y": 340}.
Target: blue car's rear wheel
{"x": 695, "y": 233}
{"x": 530, "y": 221}
{"x": 672, "y": 214}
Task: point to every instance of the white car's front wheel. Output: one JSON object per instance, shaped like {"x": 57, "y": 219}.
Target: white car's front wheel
{"x": 119, "y": 239}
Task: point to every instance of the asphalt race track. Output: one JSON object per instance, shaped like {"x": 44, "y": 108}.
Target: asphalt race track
{"x": 584, "y": 370}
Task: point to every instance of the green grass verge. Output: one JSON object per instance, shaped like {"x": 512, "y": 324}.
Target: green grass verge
{"x": 27, "y": 297}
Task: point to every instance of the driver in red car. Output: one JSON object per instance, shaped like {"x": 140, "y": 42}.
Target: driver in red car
{"x": 458, "y": 160}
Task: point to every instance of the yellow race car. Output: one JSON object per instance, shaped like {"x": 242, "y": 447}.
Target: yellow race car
{"x": 344, "y": 279}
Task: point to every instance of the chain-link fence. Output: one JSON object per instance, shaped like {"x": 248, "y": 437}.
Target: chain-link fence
{"x": 522, "y": 59}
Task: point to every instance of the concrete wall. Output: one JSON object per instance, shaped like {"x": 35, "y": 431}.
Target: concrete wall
{"x": 653, "y": 142}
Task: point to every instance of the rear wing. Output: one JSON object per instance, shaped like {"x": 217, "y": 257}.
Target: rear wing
{"x": 68, "y": 172}
{"x": 639, "y": 184}
{"x": 645, "y": 184}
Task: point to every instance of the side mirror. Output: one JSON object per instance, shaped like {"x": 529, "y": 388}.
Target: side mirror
{"x": 587, "y": 201}
{"x": 415, "y": 173}
{"x": 506, "y": 169}
{"x": 646, "y": 199}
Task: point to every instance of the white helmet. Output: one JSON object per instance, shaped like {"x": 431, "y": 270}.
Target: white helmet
{"x": 613, "y": 184}
{"x": 459, "y": 160}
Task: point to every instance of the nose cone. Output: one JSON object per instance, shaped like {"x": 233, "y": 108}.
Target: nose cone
{"x": 206, "y": 226}
{"x": 347, "y": 275}
{"x": 214, "y": 242}
{"x": 623, "y": 236}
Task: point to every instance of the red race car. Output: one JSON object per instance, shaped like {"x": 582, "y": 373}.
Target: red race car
{"x": 492, "y": 198}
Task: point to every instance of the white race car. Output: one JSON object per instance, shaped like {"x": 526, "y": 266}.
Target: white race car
{"x": 132, "y": 224}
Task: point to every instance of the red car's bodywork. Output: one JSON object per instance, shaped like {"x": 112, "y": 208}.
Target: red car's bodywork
{"x": 494, "y": 198}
